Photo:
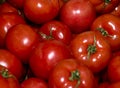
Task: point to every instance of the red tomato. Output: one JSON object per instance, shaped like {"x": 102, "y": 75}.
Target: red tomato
{"x": 46, "y": 55}
{"x": 17, "y": 3}
{"x": 7, "y": 8}
{"x": 91, "y": 49}
{"x": 116, "y": 11}
{"x": 114, "y": 69}
{"x": 8, "y": 20}
{"x": 104, "y": 6}
{"x": 34, "y": 83}
{"x": 40, "y": 11}
{"x": 78, "y": 15}
{"x": 7, "y": 80}
{"x": 70, "y": 74}
{"x": 20, "y": 40}
{"x": 12, "y": 63}
{"x": 109, "y": 27}
{"x": 55, "y": 30}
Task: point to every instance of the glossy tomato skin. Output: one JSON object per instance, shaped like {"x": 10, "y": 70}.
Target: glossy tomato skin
{"x": 61, "y": 73}
{"x": 12, "y": 63}
{"x": 78, "y": 15}
{"x": 40, "y": 11}
{"x": 55, "y": 30}
{"x": 34, "y": 83}
{"x": 113, "y": 69}
{"x": 46, "y": 55}
{"x": 20, "y": 40}
{"x": 8, "y": 20}
{"x": 104, "y": 6}
{"x": 7, "y": 8}
{"x": 116, "y": 11}
{"x": 109, "y": 27}
{"x": 91, "y": 49}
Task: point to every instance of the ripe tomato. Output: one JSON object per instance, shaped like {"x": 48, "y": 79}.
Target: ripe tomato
{"x": 20, "y": 40}
{"x": 91, "y": 49}
{"x": 34, "y": 83}
{"x": 78, "y": 15}
{"x": 70, "y": 74}
{"x": 113, "y": 69}
{"x": 109, "y": 27}
{"x": 8, "y": 20}
{"x": 7, "y": 79}
{"x": 40, "y": 11}
{"x": 12, "y": 63}
{"x": 116, "y": 11}
{"x": 55, "y": 30}
{"x": 104, "y": 6}
{"x": 46, "y": 55}
{"x": 7, "y": 8}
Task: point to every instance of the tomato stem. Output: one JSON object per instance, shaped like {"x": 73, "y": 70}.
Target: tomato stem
{"x": 104, "y": 32}
{"x": 91, "y": 48}
{"x": 5, "y": 73}
{"x": 75, "y": 75}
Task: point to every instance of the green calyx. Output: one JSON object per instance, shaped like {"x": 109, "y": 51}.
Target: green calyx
{"x": 75, "y": 75}
{"x": 5, "y": 73}
{"x": 91, "y": 48}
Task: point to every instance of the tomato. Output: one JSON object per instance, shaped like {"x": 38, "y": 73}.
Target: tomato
{"x": 113, "y": 69}
{"x": 20, "y": 40}
{"x": 55, "y": 30}
{"x": 12, "y": 63}
{"x": 17, "y": 3}
{"x": 104, "y": 6}
{"x": 8, "y": 20}
{"x": 34, "y": 82}
{"x": 78, "y": 15}
{"x": 46, "y": 55}
{"x": 40, "y": 11}
{"x": 70, "y": 74}
{"x": 109, "y": 27}
{"x": 91, "y": 49}
{"x": 116, "y": 11}
{"x": 6, "y": 7}
{"x": 7, "y": 79}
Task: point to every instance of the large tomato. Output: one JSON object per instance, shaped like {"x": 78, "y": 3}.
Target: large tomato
{"x": 55, "y": 30}
{"x": 46, "y": 55}
{"x": 70, "y": 74}
{"x": 20, "y": 40}
{"x": 12, "y": 63}
{"x": 109, "y": 27}
{"x": 8, "y": 20}
{"x": 78, "y": 15}
{"x": 91, "y": 49}
{"x": 40, "y": 11}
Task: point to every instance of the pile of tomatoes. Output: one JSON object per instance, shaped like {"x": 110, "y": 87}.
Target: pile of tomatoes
{"x": 59, "y": 43}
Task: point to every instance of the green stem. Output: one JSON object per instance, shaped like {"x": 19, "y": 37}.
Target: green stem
{"x": 75, "y": 75}
{"x": 92, "y": 48}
